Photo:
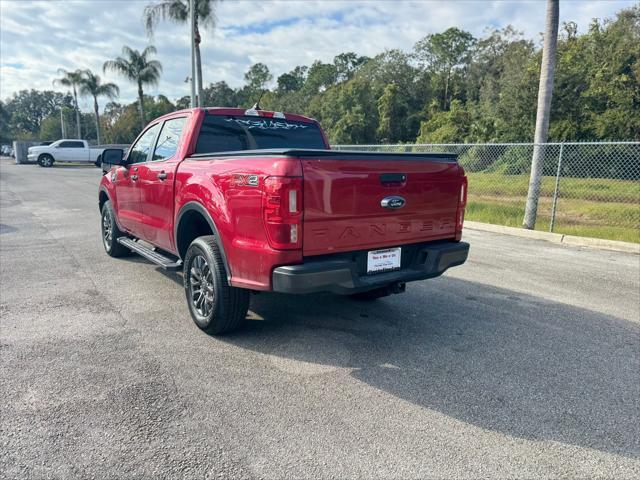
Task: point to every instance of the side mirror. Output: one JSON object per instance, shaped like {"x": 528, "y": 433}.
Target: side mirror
{"x": 113, "y": 156}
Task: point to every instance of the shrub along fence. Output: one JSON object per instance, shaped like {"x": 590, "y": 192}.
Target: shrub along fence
{"x": 589, "y": 188}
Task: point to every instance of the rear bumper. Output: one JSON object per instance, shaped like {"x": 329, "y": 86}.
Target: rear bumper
{"x": 343, "y": 275}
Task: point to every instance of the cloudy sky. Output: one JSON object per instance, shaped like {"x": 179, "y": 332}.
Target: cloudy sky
{"x": 37, "y": 38}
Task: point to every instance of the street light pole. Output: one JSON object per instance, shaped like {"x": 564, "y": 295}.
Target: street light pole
{"x": 192, "y": 14}
{"x": 64, "y": 134}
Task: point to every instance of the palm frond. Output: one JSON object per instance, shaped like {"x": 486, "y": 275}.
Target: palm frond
{"x": 206, "y": 13}
{"x": 86, "y": 90}
{"x": 149, "y": 76}
{"x": 69, "y": 79}
{"x": 119, "y": 65}
{"x": 156, "y": 65}
{"x": 149, "y": 50}
{"x": 89, "y": 84}
{"x": 62, "y": 81}
{"x": 177, "y": 11}
{"x": 129, "y": 52}
{"x": 109, "y": 90}
{"x": 173, "y": 10}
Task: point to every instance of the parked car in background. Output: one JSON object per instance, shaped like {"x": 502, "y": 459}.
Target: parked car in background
{"x": 6, "y": 150}
{"x": 65, "y": 150}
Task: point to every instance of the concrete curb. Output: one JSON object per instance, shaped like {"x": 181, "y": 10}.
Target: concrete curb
{"x": 597, "y": 243}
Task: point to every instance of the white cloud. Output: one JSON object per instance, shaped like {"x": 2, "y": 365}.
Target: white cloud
{"x": 37, "y": 38}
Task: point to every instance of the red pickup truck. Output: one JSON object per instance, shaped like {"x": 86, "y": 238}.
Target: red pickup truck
{"x": 252, "y": 200}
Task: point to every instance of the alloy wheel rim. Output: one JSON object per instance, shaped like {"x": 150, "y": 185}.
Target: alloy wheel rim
{"x": 107, "y": 230}
{"x": 201, "y": 290}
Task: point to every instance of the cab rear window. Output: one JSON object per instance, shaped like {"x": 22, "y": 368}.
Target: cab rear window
{"x": 230, "y": 133}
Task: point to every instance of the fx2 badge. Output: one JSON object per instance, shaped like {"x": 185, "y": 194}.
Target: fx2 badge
{"x": 241, "y": 179}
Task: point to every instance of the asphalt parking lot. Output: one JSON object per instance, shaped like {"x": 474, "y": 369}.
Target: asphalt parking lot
{"x": 525, "y": 362}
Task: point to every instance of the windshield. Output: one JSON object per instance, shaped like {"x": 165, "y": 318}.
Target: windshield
{"x": 228, "y": 133}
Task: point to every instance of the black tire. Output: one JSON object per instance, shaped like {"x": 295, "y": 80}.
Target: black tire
{"x": 216, "y": 307}
{"x": 98, "y": 162}
{"x": 46, "y": 160}
{"x": 371, "y": 295}
{"x": 110, "y": 232}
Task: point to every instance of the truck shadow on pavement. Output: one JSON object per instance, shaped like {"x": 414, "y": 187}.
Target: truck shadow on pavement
{"x": 494, "y": 358}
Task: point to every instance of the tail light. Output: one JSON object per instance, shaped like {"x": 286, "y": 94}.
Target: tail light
{"x": 462, "y": 203}
{"x": 282, "y": 212}
{"x": 463, "y": 192}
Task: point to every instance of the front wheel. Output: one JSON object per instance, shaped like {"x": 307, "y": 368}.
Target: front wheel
{"x": 111, "y": 232}
{"x": 215, "y": 306}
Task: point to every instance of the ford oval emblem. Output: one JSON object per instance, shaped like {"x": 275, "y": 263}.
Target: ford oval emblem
{"x": 393, "y": 203}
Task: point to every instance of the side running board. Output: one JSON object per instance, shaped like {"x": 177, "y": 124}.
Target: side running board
{"x": 150, "y": 254}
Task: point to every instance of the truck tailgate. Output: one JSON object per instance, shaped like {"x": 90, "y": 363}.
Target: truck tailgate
{"x": 344, "y": 197}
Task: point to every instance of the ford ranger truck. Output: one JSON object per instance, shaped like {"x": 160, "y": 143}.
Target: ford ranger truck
{"x": 249, "y": 200}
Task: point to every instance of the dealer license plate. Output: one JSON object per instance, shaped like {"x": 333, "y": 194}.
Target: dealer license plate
{"x": 383, "y": 260}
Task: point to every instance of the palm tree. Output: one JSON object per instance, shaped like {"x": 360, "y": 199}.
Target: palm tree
{"x": 545, "y": 89}
{"x": 73, "y": 80}
{"x": 178, "y": 11}
{"x": 93, "y": 86}
{"x": 136, "y": 67}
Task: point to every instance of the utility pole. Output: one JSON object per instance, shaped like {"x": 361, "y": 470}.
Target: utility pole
{"x": 64, "y": 134}
{"x": 545, "y": 90}
{"x": 192, "y": 15}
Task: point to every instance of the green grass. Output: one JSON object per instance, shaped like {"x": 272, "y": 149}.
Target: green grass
{"x": 599, "y": 208}
{"x": 599, "y": 189}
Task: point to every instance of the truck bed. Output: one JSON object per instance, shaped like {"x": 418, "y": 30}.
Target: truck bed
{"x": 343, "y": 193}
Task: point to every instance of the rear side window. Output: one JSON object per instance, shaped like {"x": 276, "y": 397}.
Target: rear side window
{"x": 228, "y": 133}
{"x": 169, "y": 139}
{"x": 71, "y": 145}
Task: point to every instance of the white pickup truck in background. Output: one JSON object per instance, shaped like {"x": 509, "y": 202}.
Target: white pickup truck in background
{"x": 65, "y": 150}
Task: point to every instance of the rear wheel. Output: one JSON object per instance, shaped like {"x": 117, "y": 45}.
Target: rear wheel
{"x": 111, "y": 232}
{"x": 215, "y": 306}
{"x": 45, "y": 160}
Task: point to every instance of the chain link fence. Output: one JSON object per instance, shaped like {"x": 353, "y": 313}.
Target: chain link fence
{"x": 589, "y": 189}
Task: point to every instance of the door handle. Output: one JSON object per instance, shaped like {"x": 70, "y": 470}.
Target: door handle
{"x": 162, "y": 176}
